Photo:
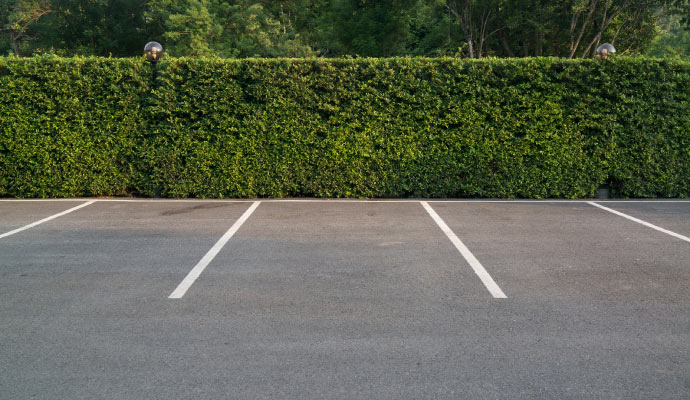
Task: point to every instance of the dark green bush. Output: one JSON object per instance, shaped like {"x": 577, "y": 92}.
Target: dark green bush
{"x": 403, "y": 127}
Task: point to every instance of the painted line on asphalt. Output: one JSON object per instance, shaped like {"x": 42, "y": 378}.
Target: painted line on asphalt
{"x": 471, "y": 259}
{"x": 671, "y": 201}
{"x": 639, "y": 221}
{"x": 23, "y": 228}
{"x": 192, "y": 276}
{"x": 131, "y": 200}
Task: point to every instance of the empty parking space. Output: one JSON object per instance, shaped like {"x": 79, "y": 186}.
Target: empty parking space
{"x": 324, "y": 299}
{"x": 80, "y": 295}
{"x": 569, "y": 250}
{"x": 345, "y": 299}
{"x": 17, "y": 214}
{"x": 670, "y": 215}
{"x": 362, "y": 258}
{"x": 596, "y": 301}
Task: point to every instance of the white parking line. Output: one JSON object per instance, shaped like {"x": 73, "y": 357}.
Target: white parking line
{"x": 23, "y": 228}
{"x": 471, "y": 259}
{"x": 639, "y": 221}
{"x": 192, "y": 276}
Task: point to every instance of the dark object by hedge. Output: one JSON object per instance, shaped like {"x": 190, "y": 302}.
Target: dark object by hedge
{"x": 405, "y": 127}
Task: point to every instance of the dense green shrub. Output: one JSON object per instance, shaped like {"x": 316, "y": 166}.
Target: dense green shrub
{"x": 68, "y": 127}
{"x": 403, "y": 127}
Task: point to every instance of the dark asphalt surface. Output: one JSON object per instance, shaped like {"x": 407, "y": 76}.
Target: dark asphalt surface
{"x": 344, "y": 300}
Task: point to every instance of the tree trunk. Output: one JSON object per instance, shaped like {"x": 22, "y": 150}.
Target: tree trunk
{"x": 16, "y": 38}
{"x": 484, "y": 35}
{"x": 467, "y": 27}
{"x": 470, "y": 47}
{"x": 605, "y": 25}
{"x": 25, "y": 21}
{"x": 465, "y": 23}
{"x": 575, "y": 43}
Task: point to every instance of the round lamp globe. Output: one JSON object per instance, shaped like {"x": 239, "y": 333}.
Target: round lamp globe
{"x": 153, "y": 51}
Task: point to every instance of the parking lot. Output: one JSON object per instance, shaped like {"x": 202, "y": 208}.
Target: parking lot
{"x": 351, "y": 299}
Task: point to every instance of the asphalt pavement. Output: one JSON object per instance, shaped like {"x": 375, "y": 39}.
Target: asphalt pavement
{"x": 333, "y": 299}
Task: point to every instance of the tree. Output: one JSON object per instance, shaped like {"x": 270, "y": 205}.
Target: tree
{"x": 672, "y": 40}
{"x": 681, "y": 8}
{"x": 540, "y": 27}
{"x": 368, "y": 28}
{"x": 331, "y": 28}
{"x": 18, "y": 18}
{"x": 93, "y": 27}
{"x": 477, "y": 22}
{"x": 224, "y": 28}
{"x": 595, "y": 17}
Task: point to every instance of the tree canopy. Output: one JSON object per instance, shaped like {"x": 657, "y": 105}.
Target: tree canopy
{"x": 336, "y": 28}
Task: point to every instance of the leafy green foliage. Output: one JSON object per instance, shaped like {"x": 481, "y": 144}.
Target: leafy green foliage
{"x": 682, "y": 8}
{"x": 237, "y": 28}
{"x": 672, "y": 40}
{"x": 370, "y": 28}
{"x": 68, "y": 127}
{"x": 401, "y": 127}
{"x": 92, "y": 27}
{"x": 333, "y": 28}
{"x": 18, "y": 16}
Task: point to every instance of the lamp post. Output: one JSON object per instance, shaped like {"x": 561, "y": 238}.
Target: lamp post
{"x": 603, "y": 51}
{"x": 153, "y": 52}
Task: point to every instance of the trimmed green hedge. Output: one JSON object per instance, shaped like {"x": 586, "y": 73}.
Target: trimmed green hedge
{"x": 404, "y": 127}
